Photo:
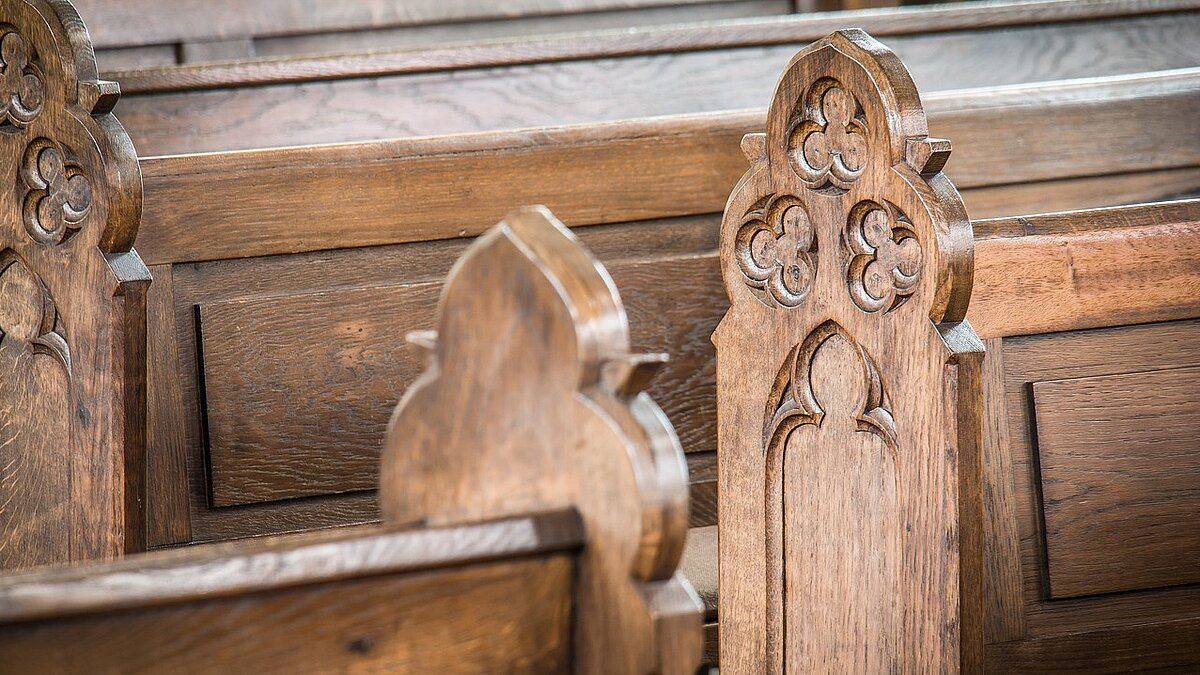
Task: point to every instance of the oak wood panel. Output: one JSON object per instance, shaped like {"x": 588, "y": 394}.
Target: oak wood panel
{"x": 465, "y": 35}
{"x": 199, "y": 573}
{"x": 1072, "y": 194}
{"x": 167, "y": 517}
{"x": 1166, "y": 647}
{"x": 410, "y": 623}
{"x": 348, "y": 269}
{"x": 72, "y": 302}
{"x": 577, "y": 92}
{"x": 312, "y": 341}
{"x": 1120, "y": 480}
{"x": 796, "y": 31}
{"x": 634, "y": 170}
{"x": 1076, "y": 354}
{"x": 138, "y": 22}
{"x": 346, "y": 351}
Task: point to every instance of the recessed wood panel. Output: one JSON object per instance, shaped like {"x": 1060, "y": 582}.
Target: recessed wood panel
{"x": 1120, "y": 478}
{"x": 299, "y": 389}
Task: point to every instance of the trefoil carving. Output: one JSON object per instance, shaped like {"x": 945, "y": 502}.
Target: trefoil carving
{"x": 885, "y": 263}
{"x": 827, "y": 141}
{"x": 776, "y": 249}
{"x": 58, "y": 194}
{"x": 23, "y": 88}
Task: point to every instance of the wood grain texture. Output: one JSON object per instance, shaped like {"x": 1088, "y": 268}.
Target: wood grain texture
{"x": 201, "y": 573}
{"x": 393, "y": 623}
{"x": 527, "y": 29}
{"x": 848, "y": 384}
{"x": 1083, "y": 266}
{"x": 1120, "y": 480}
{"x": 276, "y": 450}
{"x": 1004, "y": 611}
{"x": 72, "y": 302}
{"x": 635, "y": 170}
{"x": 530, "y": 374}
{"x": 591, "y": 91}
{"x": 1168, "y": 647}
{"x": 345, "y": 349}
{"x": 796, "y": 31}
{"x": 1082, "y": 354}
{"x": 167, "y": 518}
{"x": 140, "y": 22}
{"x": 331, "y": 271}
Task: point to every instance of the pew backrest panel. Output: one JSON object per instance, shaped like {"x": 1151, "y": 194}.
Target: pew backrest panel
{"x": 72, "y": 301}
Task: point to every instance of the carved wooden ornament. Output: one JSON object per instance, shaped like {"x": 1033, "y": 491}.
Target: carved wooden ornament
{"x": 848, "y": 384}
{"x": 72, "y": 299}
{"x": 531, "y": 376}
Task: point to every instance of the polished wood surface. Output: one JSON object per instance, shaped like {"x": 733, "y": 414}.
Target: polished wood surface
{"x": 354, "y": 602}
{"x": 521, "y": 547}
{"x": 614, "y": 89}
{"x": 966, "y": 23}
{"x": 72, "y": 302}
{"x": 1120, "y": 480}
{"x": 302, "y": 326}
{"x": 851, "y": 509}
{"x": 530, "y": 373}
{"x": 1107, "y": 632}
{"x": 641, "y": 169}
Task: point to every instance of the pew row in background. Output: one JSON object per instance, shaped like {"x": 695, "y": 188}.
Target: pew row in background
{"x": 241, "y": 244}
{"x": 593, "y": 77}
{"x": 535, "y": 501}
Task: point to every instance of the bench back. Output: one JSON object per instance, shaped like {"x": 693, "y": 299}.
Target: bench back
{"x": 72, "y": 300}
{"x": 848, "y": 390}
{"x": 544, "y": 492}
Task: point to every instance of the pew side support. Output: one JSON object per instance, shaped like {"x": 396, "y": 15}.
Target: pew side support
{"x": 72, "y": 301}
{"x": 848, "y": 384}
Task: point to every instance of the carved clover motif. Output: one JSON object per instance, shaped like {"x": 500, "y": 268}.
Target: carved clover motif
{"x": 829, "y": 144}
{"x": 886, "y": 262}
{"x": 22, "y": 95}
{"x": 777, "y": 251}
{"x": 58, "y": 195}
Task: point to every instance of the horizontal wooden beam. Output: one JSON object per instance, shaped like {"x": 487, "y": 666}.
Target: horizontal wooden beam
{"x": 1087, "y": 269}
{"x": 266, "y": 202}
{"x": 605, "y": 44}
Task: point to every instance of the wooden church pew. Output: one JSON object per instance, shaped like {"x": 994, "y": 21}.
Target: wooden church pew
{"x": 382, "y": 222}
{"x": 242, "y": 243}
{"x": 595, "y": 77}
{"x": 535, "y": 505}
{"x": 889, "y": 498}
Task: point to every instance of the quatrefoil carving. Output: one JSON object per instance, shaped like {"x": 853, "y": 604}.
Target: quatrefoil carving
{"x": 23, "y": 85}
{"x": 827, "y": 145}
{"x": 777, "y": 251}
{"x": 886, "y": 257}
{"x": 58, "y": 194}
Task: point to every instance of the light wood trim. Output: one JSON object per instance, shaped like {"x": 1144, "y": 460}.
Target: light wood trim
{"x": 638, "y": 42}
